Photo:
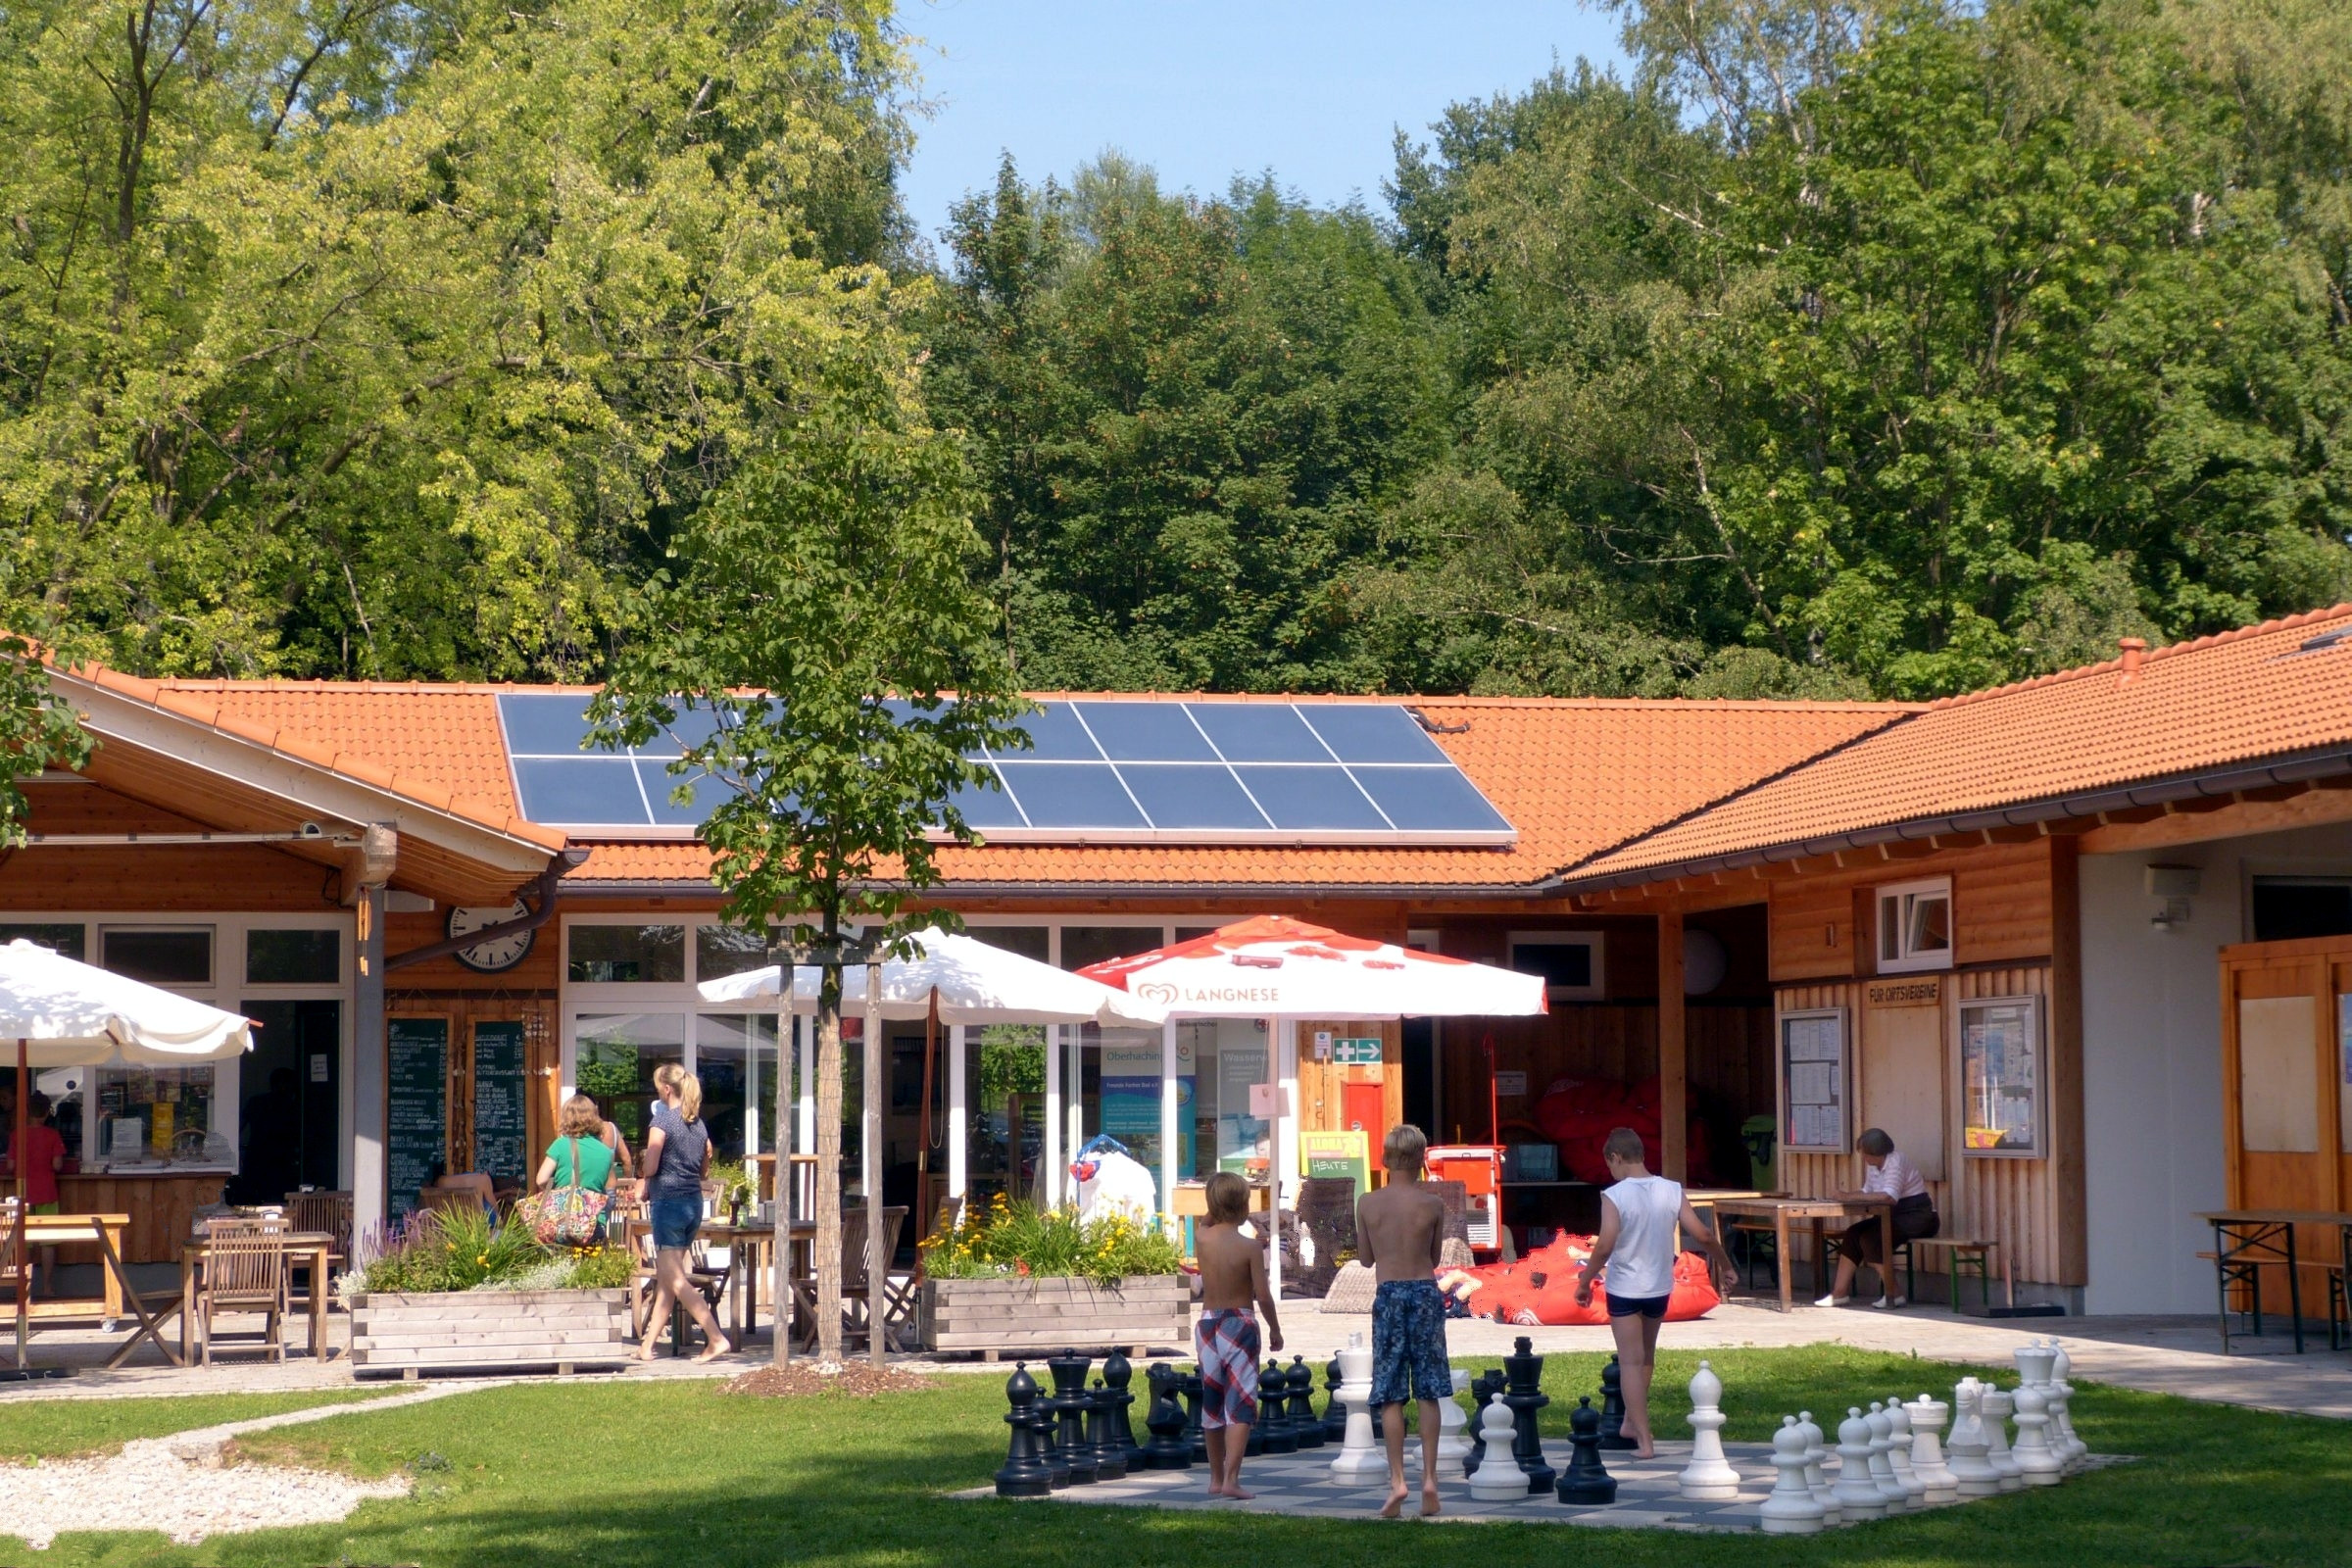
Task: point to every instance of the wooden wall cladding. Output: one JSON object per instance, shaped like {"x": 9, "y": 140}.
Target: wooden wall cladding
{"x": 1322, "y": 1085}
{"x": 2002, "y": 909}
{"x": 541, "y": 969}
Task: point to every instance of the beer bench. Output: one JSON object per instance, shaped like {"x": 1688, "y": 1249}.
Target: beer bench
{"x": 1963, "y": 1255}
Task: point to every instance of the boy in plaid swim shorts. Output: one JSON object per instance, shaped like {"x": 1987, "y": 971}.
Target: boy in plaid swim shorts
{"x": 1398, "y": 1229}
{"x": 1233, "y": 1281}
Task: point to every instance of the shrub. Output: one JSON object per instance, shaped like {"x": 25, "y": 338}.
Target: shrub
{"x": 461, "y": 1249}
{"x": 1019, "y": 1238}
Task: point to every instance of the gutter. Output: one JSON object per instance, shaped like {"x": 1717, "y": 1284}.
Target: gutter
{"x": 1064, "y": 892}
{"x": 549, "y": 881}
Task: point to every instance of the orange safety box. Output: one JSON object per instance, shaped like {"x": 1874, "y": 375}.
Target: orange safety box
{"x": 1479, "y": 1168}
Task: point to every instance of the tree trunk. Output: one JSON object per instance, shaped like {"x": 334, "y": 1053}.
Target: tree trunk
{"x": 828, "y": 1168}
{"x": 871, "y": 1100}
{"x": 780, "y": 1142}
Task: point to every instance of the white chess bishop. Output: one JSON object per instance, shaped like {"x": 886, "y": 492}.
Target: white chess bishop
{"x": 1816, "y": 1456}
{"x": 1992, "y": 1409}
{"x": 1882, "y": 1469}
{"x": 1898, "y": 1455}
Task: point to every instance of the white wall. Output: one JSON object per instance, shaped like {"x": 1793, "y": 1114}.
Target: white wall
{"x": 2152, "y": 1061}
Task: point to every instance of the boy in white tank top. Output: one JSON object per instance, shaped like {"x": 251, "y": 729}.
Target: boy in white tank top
{"x": 1641, "y": 1217}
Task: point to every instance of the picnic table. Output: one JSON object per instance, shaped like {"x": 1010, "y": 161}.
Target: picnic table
{"x": 1781, "y": 1208}
{"x": 2247, "y": 1239}
{"x": 320, "y": 1245}
{"x": 50, "y": 1230}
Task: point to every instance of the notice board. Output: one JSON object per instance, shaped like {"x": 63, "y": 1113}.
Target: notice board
{"x": 499, "y": 1125}
{"x": 416, "y": 1107}
{"x": 1816, "y": 1101}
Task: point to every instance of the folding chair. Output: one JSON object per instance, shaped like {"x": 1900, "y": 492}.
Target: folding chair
{"x": 153, "y": 1309}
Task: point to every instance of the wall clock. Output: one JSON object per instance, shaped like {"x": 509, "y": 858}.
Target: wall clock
{"x": 498, "y": 953}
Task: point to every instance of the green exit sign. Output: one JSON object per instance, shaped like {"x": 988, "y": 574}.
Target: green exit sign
{"x": 1359, "y": 1053}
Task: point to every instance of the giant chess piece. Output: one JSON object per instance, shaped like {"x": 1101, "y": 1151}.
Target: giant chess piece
{"x": 1612, "y": 1410}
{"x": 1045, "y": 1419}
{"x": 1708, "y": 1477}
{"x": 2033, "y": 1362}
{"x": 1334, "y": 1408}
{"x": 1927, "y": 1449}
{"x": 1111, "y": 1460}
{"x": 1792, "y": 1509}
{"x": 2036, "y": 1462}
{"x": 1859, "y": 1496}
{"x": 1306, "y": 1427}
{"x": 1069, "y": 1370}
{"x": 1817, "y": 1480}
{"x": 1482, "y": 1389}
{"x": 1587, "y": 1482}
{"x": 1118, "y": 1373}
{"x": 1973, "y": 1476}
{"x": 1360, "y": 1463}
{"x": 1454, "y": 1448}
{"x": 1524, "y": 1396}
{"x": 2069, "y": 1442}
{"x": 1992, "y": 1410}
{"x": 1195, "y": 1442}
{"x": 1163, "y": 1418}
{"x": 1024, "y": 1474}
{"x": 1898, "y": 1455}
{"x": 1275, "y": 1433}
{"x": 1498, "y": 1480}
{"x": 1882, "y": 1468}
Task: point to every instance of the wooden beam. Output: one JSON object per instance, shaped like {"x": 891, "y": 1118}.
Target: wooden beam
{"x": 2067, "y": 1167}
{"x": 2314, "y": 807}
{"x": 1674, "y": 1061}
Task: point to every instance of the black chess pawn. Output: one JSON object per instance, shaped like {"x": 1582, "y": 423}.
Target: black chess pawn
{"x": 1045, "y": 1419}
{"x": 1275, "y": 1433}
{"x": 1524, "y": 1396}
{"x": 1163, "y": 1418}
{"x": 1025, "y": 1474}
{"x": 1118, "y": 1373}
{"x": 1111, "y": 1460}
{"x": 1482, "y": 1390}
{"x": 1305, "y": 1426}
{"x": 1612, "y": 1408}
{"x": 1069, "y": 1410}
{"x": 1334, "y": 1408}
{"x": 1587, "y": 1480}
{"x": 1196, "y": 1444}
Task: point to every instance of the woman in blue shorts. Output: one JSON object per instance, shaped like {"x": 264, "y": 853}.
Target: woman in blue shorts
{"x": 677, "y": 1153}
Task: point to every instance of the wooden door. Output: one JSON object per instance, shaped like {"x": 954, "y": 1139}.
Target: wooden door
{"x": 2283, "y": 1125}
{"x": 1903, "y": 1069}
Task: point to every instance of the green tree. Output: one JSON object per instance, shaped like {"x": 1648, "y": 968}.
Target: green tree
{"x": 819, "y": 649}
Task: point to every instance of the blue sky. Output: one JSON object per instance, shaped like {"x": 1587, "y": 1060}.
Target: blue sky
{"x": 1312, "y": 89}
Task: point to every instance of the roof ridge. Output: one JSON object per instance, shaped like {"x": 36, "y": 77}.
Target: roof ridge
{"x": 2190, "y": 644}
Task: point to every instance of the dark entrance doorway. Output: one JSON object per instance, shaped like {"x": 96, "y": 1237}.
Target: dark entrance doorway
{"x": 288, "y": 1129}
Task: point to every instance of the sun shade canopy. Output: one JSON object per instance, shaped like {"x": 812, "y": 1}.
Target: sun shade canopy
{"x": 1272, "y": 965}
{"x": 977, "y": 984}
{"x": 70, "y": 1014}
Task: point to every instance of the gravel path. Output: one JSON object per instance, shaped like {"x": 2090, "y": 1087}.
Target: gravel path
{"x": 146, "y": 1487}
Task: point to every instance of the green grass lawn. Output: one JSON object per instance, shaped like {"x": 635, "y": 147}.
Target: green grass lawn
{"x": 54, "y": 1428}
{"x": 679, "y": 1475}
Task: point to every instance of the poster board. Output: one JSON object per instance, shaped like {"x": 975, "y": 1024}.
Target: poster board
{"x": 501, "y": 1126}
{"x": 2002, "y": 1073}
{"x": 1346, "y": 1155}
{"x": 1816, "y": 1082}
{"x": 416, "y": 1107}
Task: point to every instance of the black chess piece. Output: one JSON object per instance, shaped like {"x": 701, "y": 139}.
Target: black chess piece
{"x": 1275, "y": 1433}
{"x": 1587, "y": 1482}
{"x": 1482, "y": 1390}
{"x": 1305, "y": 1426}
{"x": 1196, "y": 1444}
{"x": 1045, "y": 1419}
{"x": 1024, "y": 1474}
{"x": 1612, "y": 1408}
{"x": 1111, "y": 1460}
{"x": 1069, "y": 1410}
{"x": 1163, "y": 1418}
{"x": 1334, "y": 1408}
{"x": 1524, "y": 1396}
{"x": 1118, "y": 1373}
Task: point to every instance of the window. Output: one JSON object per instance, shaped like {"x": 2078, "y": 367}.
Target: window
{"x": 62, "y": 938}
{"x": 2290, "y": 906}
{"x": 1915, "y": 926}
{"x": 303, "y": 958}
{"x": 161, "y": 956}
{"x": 720, "y": 951}
{"x": 627, "y": 954}
{"x": 1569, "y": 963}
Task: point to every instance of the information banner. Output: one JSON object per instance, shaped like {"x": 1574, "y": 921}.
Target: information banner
{"x": 417, "y": 1108}
{"x": 1242, "y": 1137}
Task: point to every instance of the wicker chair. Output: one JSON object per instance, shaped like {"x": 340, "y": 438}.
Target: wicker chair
{"x": 244, "y": 1271}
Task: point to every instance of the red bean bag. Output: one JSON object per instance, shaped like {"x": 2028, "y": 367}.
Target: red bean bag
{"x": 1579, "y": 1114}
{"x": 1540, "y": 1288}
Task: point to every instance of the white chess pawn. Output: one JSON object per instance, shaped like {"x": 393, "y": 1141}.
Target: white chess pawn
{"x": 1976, "y": 1477}
{"x": 2036, "y": 1462}
{"x": 1859, "y": 1496}
{"x": 1496, "y": 1479}
{"x": 1817, "y": 1480}
{"x": 1882, "y": 1469}
{"x": 1898, "y": 1455}
{"x": 1359, "y": 1461}
{"x": 1927, "y": 1449}
{"x": 1993, "y": 1409}
{"x": 1454, "y": 1448}
{"x": 2067, "y": 1440}
{"x": 1792, "y": 1509}
{"x": 1710, "y": 1477}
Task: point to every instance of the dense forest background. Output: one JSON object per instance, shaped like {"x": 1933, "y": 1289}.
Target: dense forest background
{"x": 1833, "y": 350}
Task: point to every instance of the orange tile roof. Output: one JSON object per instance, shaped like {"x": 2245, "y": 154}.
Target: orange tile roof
{"x": 2235, "y": 700}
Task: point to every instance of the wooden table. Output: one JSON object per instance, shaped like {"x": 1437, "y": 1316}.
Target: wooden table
{"x": 1818, "y": 1212}
{"x": 748, "y": 1250}
{"x": 320, "y": 1245}
{"x": 2246, "y": 1240}
{"x": 50, "y": 1230}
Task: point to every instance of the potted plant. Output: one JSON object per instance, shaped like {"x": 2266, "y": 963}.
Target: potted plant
{"x": 1012, "y": 1277}
{"x": 448, "y": 1289}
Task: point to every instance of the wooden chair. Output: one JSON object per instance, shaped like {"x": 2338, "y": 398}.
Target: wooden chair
{"x": 856, "y": 1292}
{"x": 244, "y": 1270}
{"x": 710, "y": 1281}
{"x": 327, "y": 1214}
{"x": 15, "y": 1273}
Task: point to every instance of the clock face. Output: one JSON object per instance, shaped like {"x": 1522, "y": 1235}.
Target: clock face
{"x": 498, "y": 953}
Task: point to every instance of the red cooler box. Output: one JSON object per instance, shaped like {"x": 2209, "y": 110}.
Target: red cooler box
{"x": 1479, "y": 1168}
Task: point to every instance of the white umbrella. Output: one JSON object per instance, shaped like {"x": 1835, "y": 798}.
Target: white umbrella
{"x": 977, "y": 984}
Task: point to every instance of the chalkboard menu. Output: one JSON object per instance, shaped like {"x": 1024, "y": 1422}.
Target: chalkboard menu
{"x": 418, "y": 1107}
{"x": 499, "y": 1125}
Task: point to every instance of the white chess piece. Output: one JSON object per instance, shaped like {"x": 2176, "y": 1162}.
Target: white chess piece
{"x": 1859, "y": 1496}
{"x": 1792, "y": 1509}
{"x": 1359, "y": 1461}
{"x": 1882, "y": 1469}
{"x": 1992, "y": 1409}
{"x": 1454, "y": 1448}
{"x": 2037, "y": 1461}
{"x": 2033, "y": 1361}
{"x": 1898, "y": 1455}
{"x": 1976, "y": 1477}
{"x": 1498, "y": 1479}
{"x": 1817, "y": 1480}
{"x": 2069, "y": 1442}
{"x": 1927, "y": 1449}
{"x": 1708, "y": 1477}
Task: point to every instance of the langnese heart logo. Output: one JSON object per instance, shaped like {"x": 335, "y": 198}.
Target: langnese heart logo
{"x": 1156, "y": 992}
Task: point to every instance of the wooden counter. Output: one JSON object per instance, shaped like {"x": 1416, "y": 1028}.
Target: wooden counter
{"x": 162, "y": 1207}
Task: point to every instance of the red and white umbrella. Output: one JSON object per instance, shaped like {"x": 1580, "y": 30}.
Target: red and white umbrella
{"x": 1272, "y": 965}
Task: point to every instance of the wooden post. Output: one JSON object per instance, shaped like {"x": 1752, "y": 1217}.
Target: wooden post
{"x": 2067, "y": 1173}
{"x": 1673, "y": 1064}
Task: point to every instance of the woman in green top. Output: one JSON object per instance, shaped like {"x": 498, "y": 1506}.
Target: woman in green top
{"x": 579, "y": 1157}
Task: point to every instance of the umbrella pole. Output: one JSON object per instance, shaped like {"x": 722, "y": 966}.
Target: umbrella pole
{"x": 923, "y": 1145}
{"x": 16, "y": 1153}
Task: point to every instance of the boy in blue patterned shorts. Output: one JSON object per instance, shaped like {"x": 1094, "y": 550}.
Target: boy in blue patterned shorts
{"x": 1233, "y": 1280}
{"x": 1398, "y": 1230}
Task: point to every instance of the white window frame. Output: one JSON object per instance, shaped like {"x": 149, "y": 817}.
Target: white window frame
{"x": 1892, "y": 897}
{"x": 1598, "y": 941}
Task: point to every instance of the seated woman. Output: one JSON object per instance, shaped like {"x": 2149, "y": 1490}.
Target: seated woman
{"x": 442, "y": 1189}
{"x": 1890, "y": 1175}
{"x": 579, "y": 1157}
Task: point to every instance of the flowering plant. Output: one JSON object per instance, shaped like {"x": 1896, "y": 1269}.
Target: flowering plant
{"x": 459, "y": 1249}
{"x": 1004, "y": 1239}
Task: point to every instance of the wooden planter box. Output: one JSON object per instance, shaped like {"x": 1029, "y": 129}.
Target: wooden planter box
{"x": 1141, "y": 1311}
{"x": 482, "y": 1330}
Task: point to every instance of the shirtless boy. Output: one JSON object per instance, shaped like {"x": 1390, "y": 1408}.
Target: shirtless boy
{"x": 1398, "y": 1229}
{"x": 1233, "y": 1281}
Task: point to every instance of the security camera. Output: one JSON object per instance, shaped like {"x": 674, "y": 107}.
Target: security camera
{"x": 312, "y": 830}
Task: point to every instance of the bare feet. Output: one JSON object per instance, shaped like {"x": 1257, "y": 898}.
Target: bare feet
{"x": 1429, "y": 1502}
{"x": 1236, "y": 1492}
{"x": 715, "y": 1349}
{"x": 1396, "y": 1504}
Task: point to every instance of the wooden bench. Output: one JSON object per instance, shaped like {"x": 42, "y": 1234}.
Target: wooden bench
{"x": 2333, "y": 1274}
{"x": 1963, "y": 1254}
